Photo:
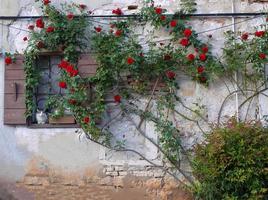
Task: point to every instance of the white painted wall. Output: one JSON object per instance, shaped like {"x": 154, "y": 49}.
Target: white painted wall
{"x": 61, "y": 148}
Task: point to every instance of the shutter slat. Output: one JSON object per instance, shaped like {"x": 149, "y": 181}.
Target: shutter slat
{"x": 14, "y": 117}
{"x": 11, "y": 101}
{"x": 87, "y": 65}
{"x": 10, "y": 86}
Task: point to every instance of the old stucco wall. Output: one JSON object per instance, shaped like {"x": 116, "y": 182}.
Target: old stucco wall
{"x": 27, "y": 153}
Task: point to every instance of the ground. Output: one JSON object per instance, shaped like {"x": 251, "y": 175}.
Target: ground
{"x": 20, "y": 191}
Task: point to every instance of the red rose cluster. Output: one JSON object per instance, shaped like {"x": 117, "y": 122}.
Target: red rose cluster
{"x": 244, "y": 36}
{"x": 31, "y": 27}
{"x": 72, "y": 101}
{"x": 82, "y": 6}
{"x": 46, "y": 2}
{"x": 68, "y": 68}
{"x": 187, "y": 32}
{"x": 184, "y": 42}
{"x": 173, "y": 23}
{"x": 8, "y": 60}
{"x": 50, "y": 29}
{"x": 159, "y": 11}
{"x": 117, "y": 98}
{"x": 170, "y": 74}
{"x": 40, "y": 23}
{"x": 118, "y": 33}
{"x": 259, "y": 33}
{"x": 191, "y": 57}
{"x": 130, "y": 60}
{"x": 86, "y": 120}
{"x": 40, "y": 45}
{"x": 98, "y": 29}
{"x": 70, "y": 16}
{"x": 63, "y": 84}
{"x": 200, "y": 69}
{"x": 262, "y": 56}
{"x": 117, "y": 11}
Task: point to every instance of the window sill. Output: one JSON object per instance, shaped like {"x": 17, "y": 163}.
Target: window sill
{"x": 40, "y": 126}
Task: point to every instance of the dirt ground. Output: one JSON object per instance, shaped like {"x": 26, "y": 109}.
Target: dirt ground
{"x": 12, "y": 191}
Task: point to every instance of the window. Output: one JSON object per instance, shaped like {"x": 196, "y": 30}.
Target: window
{"x": 48, "y": 87}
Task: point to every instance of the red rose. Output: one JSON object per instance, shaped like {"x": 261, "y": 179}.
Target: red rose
{"x": 200, "y": 69}
{"x": 31, "y": 27}
{"x": 204, "y": 49}
{"x": 50, "y": 29}
{"x": 82, "y": 6}
{"x": 158, "y": 10}
{"x": 170, "y": 74}
{"x": 63, "y": 64}
{"x": 167, "y": 57}
{"x": 202, "y": 57}
{"x": 244, "y": 36}
{"x": 25, "y": 39}
{"x": 118, "y": 33}
{"x": 117, "y": 11}
{"x": 72, "y": 90}
{"x": 130, "y": 60}
{"x": 40, "y": 45}
{"x": 187, "y": 32}
{"x": 203, "y": 79}
{"x": 73, "y": 73}
{"x": 262, "y": 56}
{"x": 70, "y": 16}
{"x": 46, "y": 2}
{"x": 173, "y": 23}
{"x": 69, "y": 68}
{"x": 72, "y": 101}
{"x": 63, "y": 84}
{"x": 98, "y": 29}
{"x": 8, "y": 60}
{"x": 112, "y": 26}
{"x": 117, "y": 98}
{"x": 163, "y": 17}
{"x": 259, "y": 33}
{"x": 184, "y": 42}
{"x": 40, "y": 23}
{"x": 86, "y": 120}
{"x": 191, "y": 57}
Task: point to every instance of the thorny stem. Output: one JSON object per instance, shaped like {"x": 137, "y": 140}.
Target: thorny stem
{"x": 236, "y": 91}
{"x": 150, "y": 99}
{"x": 252, "y": 96}
{"x": 110, "y": 121}
{"x": 160, "y": 149}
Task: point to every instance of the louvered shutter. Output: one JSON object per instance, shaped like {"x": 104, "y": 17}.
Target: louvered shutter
{"x": 14, "y": 96}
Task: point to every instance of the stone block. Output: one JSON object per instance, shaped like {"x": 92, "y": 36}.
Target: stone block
{"x": 107, "y": 181}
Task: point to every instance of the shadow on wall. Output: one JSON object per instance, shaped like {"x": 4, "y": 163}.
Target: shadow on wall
{"x": 9, "y": 191}
{"x": 5, "y": 195}
{"x": 12, "y": 156}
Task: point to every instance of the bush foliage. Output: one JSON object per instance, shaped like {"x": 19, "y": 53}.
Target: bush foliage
{"x": 232, "y": 163}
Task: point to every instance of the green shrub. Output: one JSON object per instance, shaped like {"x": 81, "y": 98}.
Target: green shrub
{"x": 232, "y": 163}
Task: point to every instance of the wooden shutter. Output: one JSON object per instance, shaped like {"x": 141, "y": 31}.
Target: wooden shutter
{"x": 14, "y": 96}
{"x": 87, "y": 65}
